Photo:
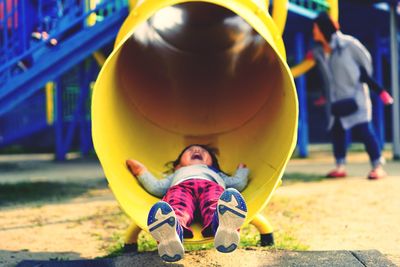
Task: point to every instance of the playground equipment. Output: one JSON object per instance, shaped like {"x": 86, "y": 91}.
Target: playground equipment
{"x": 27, "y": 65}
{"x": 184, "y": 72}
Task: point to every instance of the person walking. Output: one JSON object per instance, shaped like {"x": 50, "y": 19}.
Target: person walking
{"x": 347, "y": 69}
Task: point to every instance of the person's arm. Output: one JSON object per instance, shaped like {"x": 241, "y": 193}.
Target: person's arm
{"x": 156, "y": 187}
{"x": 363, "y": 58}
{"x": 239, "y": 179}
{"x": 383, "y": 94}
{"x": 365, "y": 78}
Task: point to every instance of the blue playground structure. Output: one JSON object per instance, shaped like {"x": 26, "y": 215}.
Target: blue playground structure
{"x": 45, "y": 86}
{"x": 51, "y": 52}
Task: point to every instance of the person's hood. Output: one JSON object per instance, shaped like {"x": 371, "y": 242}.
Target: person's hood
{"x": 338, "y": 40}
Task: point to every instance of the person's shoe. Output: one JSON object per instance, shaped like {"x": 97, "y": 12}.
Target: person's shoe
{"x": 231, "y": 213}
{"x": 336, "y": 174}
{"x": 50, "y": 41}
{"x": 36, "y": 35}
{"x": 53, "y": 41}
{"x": 165, "y": 228}
{"x": 21, "y": 64}
{"x": 376, "y": 174}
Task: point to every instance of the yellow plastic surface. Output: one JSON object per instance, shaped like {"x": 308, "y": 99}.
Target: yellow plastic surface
{"x": 264, "y": 140}
{"x": 262, "y": 224}
{"x": 302, "y": 68}
{"x": 334, "y": 9}
{"x": 279, "y": 14}
{"x": 100, "y": 58}
{"x": 49, "y": 87}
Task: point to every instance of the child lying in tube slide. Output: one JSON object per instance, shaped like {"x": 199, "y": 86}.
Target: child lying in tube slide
{"x": 197, "y": 182}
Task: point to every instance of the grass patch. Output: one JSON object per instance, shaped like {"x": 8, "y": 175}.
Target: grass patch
{"x": 250, "y": 237}
{"x": 296, "y": 177}
{"x": 116, "y": 247}
{"x": 14, "y": 149}
{"x": 146, "y": 242}
{"x": 27, "y": 192}
{"x": 8, "y": 166}
{"x": 286, "y": 241}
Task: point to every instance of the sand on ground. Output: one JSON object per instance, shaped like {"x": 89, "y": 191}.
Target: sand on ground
{"x": 344, "y": 214}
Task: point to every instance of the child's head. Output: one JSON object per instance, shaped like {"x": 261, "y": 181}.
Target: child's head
{"x": 197, "y": 154}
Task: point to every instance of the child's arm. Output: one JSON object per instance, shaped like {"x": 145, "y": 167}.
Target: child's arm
{"x": 239, "y": 179}
{"x": 156, "y": 187}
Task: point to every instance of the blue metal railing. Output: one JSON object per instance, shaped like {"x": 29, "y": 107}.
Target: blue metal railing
{"x": 24, "y": 119}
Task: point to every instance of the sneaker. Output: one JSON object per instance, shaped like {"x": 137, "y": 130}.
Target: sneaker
{"x": 53, "y": 41}
{"x": 231, "y": 213}
{"x": 165, "y": 228}
{"x": 21, "y": 64}
{"x": 336, "y": 174}
{"x": 376, "y": 174}
{"x": 45, "y": 36}
{"x": 36, "y": 35}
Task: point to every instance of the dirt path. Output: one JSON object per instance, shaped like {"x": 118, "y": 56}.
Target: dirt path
{"x": 352, "y": 213}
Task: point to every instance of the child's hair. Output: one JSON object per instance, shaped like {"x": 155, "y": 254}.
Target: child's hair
{"x": 171, "y": 165}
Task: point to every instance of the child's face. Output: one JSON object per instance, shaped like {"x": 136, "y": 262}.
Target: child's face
{"x": 195, "y": 155}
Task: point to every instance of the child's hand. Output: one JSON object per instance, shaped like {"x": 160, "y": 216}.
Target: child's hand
{"x": 241, "y": 166}
{"x": 135, "y": 167}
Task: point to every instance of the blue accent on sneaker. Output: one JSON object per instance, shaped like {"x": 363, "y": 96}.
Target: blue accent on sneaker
{"x": 231, "y": 192}
{"x": 179, "y": 230}
{"x": 215, "y": 222}
{"x": 222, "y": 209}
{"x": 170, "y": 221}
{"x": 165, "y": 209}
{"x": 223, "y": 249}
{"x": 167, "y": 258}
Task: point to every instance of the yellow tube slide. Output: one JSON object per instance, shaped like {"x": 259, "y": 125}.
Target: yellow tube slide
{"x": 185, "y": 72}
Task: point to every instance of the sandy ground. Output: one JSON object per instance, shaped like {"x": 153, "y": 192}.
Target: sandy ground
{"x": 345, "y": 214}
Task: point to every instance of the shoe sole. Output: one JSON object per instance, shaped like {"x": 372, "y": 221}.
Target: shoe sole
{"x": 376, "y": 177}
{"x": 231, "y": 211}
{"x": 162, "y": 227}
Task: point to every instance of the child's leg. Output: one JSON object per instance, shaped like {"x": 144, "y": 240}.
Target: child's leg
{"x": 164, "y": 227}
{"x": 231, "y": 213}
{"x": 208, "y": 194}
{"x": 182, "y": 199}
